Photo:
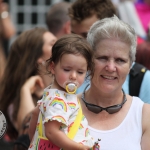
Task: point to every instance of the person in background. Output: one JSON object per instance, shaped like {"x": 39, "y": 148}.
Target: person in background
{"x": 84, "y": 13}
{"x": 31, "y": 47}
{"x": 122, "y": 121}
{"x": 7, "y": 28}
{"x": 2, "y": 61}
{"x": 143, "y": 54}
{"x": 82, "y": 20}
{"x": 137, "y": 14}
{"x": 58, "y": 20}
{"x": 143, "y": 11}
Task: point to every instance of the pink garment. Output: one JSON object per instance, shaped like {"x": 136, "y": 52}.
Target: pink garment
{"x": 143, "y": 11}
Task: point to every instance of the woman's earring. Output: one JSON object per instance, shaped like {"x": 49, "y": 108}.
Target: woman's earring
{"x": 43, "y": 63}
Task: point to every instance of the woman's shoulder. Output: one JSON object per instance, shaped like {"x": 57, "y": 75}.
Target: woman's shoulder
{"x": 145, "y": 109}
{"x": 134, "y": 99}
{"x": 146, "y": 124}
{"x": 146, "y": 113}
{"x": 79, "y": 95}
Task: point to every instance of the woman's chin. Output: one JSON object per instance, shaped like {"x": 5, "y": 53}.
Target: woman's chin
{"x": 108, "y": 89}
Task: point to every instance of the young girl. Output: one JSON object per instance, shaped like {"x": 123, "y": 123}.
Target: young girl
{"x": 70, "y": 61}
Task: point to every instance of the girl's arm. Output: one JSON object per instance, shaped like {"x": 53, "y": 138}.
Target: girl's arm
{"x": 59, "y": 138}
{"x": 33, "y": 122}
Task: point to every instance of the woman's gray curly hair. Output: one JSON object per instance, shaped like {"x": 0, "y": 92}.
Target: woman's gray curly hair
{"x": 113, "y": 28}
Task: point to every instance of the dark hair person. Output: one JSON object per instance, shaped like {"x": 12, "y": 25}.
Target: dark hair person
{"x": 84, "y": 13}
{"x": 31, "y": 47}
{"x": 143, "y": 54}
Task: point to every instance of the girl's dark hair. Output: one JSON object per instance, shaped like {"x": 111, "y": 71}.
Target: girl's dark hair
{"x": 72, "y": 44}
{"x": 21, "y": 65}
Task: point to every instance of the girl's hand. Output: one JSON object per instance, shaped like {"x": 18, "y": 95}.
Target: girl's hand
{"x": 84, "y": 147}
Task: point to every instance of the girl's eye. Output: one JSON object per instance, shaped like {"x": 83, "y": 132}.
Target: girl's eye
{"x": 80, "y": 72}
{"x": 66, "y": 70}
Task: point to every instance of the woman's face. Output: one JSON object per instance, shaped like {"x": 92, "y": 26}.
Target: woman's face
{"x": 49, "y": 40}
{"x": 112, "y": 64}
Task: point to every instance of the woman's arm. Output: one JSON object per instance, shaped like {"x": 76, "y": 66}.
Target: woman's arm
{"x": 8, "y": 26}
{"x": 145, "y": 142}
{"x": 26, "y": 100}
{"x": 59, "y": 138}
{"x": 33, "y": 122}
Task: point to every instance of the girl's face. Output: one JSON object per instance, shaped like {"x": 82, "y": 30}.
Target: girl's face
{"x": 71, "y": 68}
{"x": 112, "y": 64}
{"x": 49, "y": 40}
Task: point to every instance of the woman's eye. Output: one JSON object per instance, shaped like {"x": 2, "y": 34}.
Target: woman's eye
{"x": 102, "y": 58}
{"x": 120, "y": 60}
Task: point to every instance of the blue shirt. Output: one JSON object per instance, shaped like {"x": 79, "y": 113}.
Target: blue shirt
{"x": 144, "y": 94}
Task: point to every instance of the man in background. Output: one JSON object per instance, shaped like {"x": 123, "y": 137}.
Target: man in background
{"x": 58, "y": 20}
{"x": 84, "y": 13}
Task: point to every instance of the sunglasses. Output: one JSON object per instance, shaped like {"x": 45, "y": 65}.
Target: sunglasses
{"x": 97, "y": 109}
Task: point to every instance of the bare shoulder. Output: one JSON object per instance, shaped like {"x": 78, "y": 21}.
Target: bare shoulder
{"x": 145, "y": 115}
{"x": 145, "y": 144}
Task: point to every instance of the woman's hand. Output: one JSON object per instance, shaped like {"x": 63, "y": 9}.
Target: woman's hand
{"x": 3, "y": 7}
{"x": 9, "y": 29}
{"x": 32, "y": 86}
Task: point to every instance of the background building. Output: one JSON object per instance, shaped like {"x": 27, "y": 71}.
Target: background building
{"x": 27, "y": 14}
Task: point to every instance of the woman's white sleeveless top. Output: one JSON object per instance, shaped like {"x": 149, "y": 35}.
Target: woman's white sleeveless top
{"x": 127, "y": 136}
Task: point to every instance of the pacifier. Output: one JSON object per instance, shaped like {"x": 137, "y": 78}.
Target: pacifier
{"x": 71, "y": 88}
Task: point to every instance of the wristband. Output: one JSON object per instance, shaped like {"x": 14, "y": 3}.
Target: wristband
{"x": 4, "y": 14}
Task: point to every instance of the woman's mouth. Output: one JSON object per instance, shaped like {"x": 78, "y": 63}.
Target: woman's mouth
{"x": 108, "y": 77}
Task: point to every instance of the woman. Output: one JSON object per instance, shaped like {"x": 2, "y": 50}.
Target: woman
{"x": 32, "y": 47}
{"x": 119, "y": 120}
{"x": 126, "y": 124}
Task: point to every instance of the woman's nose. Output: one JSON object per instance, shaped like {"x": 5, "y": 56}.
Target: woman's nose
{"x": 111, "y": 66}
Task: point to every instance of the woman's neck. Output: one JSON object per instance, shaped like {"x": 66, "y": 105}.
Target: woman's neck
{"x": 94, "y": 96}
